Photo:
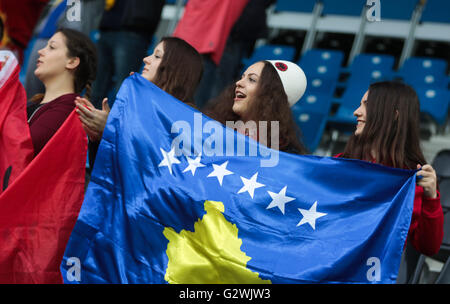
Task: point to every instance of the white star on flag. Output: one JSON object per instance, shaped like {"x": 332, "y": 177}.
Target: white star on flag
{"x": 279, "y": 199}
{"x": 220, "y": 172}
{"x": 310, "y": 216}
{"x": 250, "y": 185}
{"x": 169, "y": 159}
{"x": 193, "y": 164}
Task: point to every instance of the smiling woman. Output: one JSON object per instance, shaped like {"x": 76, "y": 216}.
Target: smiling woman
{"x": 262, "y": 96}
{"x": 66, "y": 66}
{"x": 388, "y": 133}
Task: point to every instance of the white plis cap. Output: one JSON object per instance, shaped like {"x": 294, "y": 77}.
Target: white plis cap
{"x": 293, "y": 79}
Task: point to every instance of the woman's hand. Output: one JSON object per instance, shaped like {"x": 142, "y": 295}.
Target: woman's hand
{"x": 428, "y": 180}
{"x": 92, "y": 119}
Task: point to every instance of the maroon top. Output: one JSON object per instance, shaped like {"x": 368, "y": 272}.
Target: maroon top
{"x": 47, "y": 119}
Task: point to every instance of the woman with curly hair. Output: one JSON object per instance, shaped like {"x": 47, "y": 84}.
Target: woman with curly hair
{"x": 265, "y": 93}
{"x": 387, "y": 133}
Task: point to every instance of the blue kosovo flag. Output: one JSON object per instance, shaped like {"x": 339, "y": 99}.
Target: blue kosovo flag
{"x": 175, "y": 197}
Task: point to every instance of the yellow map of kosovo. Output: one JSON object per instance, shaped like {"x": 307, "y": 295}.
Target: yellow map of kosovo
{"x": 210, "y": 254}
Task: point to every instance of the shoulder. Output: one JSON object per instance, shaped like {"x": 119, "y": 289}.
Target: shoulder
{"x": 58, "y": 108}
{"x": 62, "y": 102}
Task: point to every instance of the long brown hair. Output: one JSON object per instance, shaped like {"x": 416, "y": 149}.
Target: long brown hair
{"x": 79, "y": 45}
{"x": 180, "y": 70}
{"x": 270, "y": 104}
{"x": 391, "y": 129}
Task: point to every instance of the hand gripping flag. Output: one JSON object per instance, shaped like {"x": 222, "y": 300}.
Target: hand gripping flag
{"x": 39, "y": 207}
{"x": 172, "y": 198}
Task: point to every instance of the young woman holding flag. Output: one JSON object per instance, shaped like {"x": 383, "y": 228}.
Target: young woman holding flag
{"x": 175, "y": 67}
{"x": 387, "y": 133}
{"x": 265, "y": 92}
{"x": 66, "y": 67}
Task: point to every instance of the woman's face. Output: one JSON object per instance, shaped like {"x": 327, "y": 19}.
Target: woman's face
{"x": 246, "y": 88}
{"x": 152, "y": 63}
{"x": 361, "y": 114}
{"x": 53, "y": 60}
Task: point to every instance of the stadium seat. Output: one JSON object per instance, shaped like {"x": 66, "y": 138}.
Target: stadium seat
{"x": 174, "y": 1}
{"x": 436, "y": 11}
{"x": 311, "y": 125}
{"x": 424, "y": 72}
{"x": 351, "y": 7}
{"x": 314, "y": 102}
{"x": 368, "y": 68}
{"x": 322, "y": 69}
{"x": 441, "y": 164}
{"x": 321, "y": 62}
{"x": 94, "y": 35}
{"x": 323, "y": 85}
{"x": 425, "y": 80}
{"x": 306, "y": 6}
{"x": 398, "y": 9}
{"x": 444, "y": 275}
{"x": 348, "y": 103}
{"x": 270, "y": 52}
{"x": 430, "y": 66}
{"x": 434, "y": 102}
{"x": 443, "y": 255}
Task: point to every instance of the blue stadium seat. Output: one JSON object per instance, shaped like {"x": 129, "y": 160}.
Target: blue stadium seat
{"x": 368, "y": 68}
{"x": 434, "y": 102}
{"x": 322, "y": 63}
{"x": 398, "y": 9}
{"x": 317, "y": 84}
{"x": 428, "y": 66}
{"x": 424, "y": 72}
{"x": 174, "y": 1}
{"x": 311, "y": 125}
{"x": 425, "y": 80}
{"x": 350, "y": 7}
{"x": 314, "y": 102}
{"x": 322, "y": 69}
{"x": 306, "y": 6}
{"x": 348, "y": 103}
{"x": 436, "y": 11}
{"x": 94, "y": 35}
{"x": 270, "y": 52}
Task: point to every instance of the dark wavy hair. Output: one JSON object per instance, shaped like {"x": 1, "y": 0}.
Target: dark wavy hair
{"x": 79, "y": 45}
{"x": 270, "y": 104}
{"x": 180, "y": 71}
{"x": 391, "y": 129}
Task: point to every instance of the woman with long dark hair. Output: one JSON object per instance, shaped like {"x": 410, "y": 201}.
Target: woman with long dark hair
{"x": 175, "y": 67}
{"x": 66, "y": 67}
{"x": 265, "y": 92}
{"x": 387, "y": 133}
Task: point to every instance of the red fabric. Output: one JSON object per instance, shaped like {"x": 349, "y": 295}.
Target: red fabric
{"x": 426, "y": 230}
{"x": 206, "y": 24}
{"x": 48, "y": 118}
{"x": 15, "y": 142}
{"x": 21, "y": 18}
{"x": 427, "y": 224}
{"x": 39, "y": 211}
